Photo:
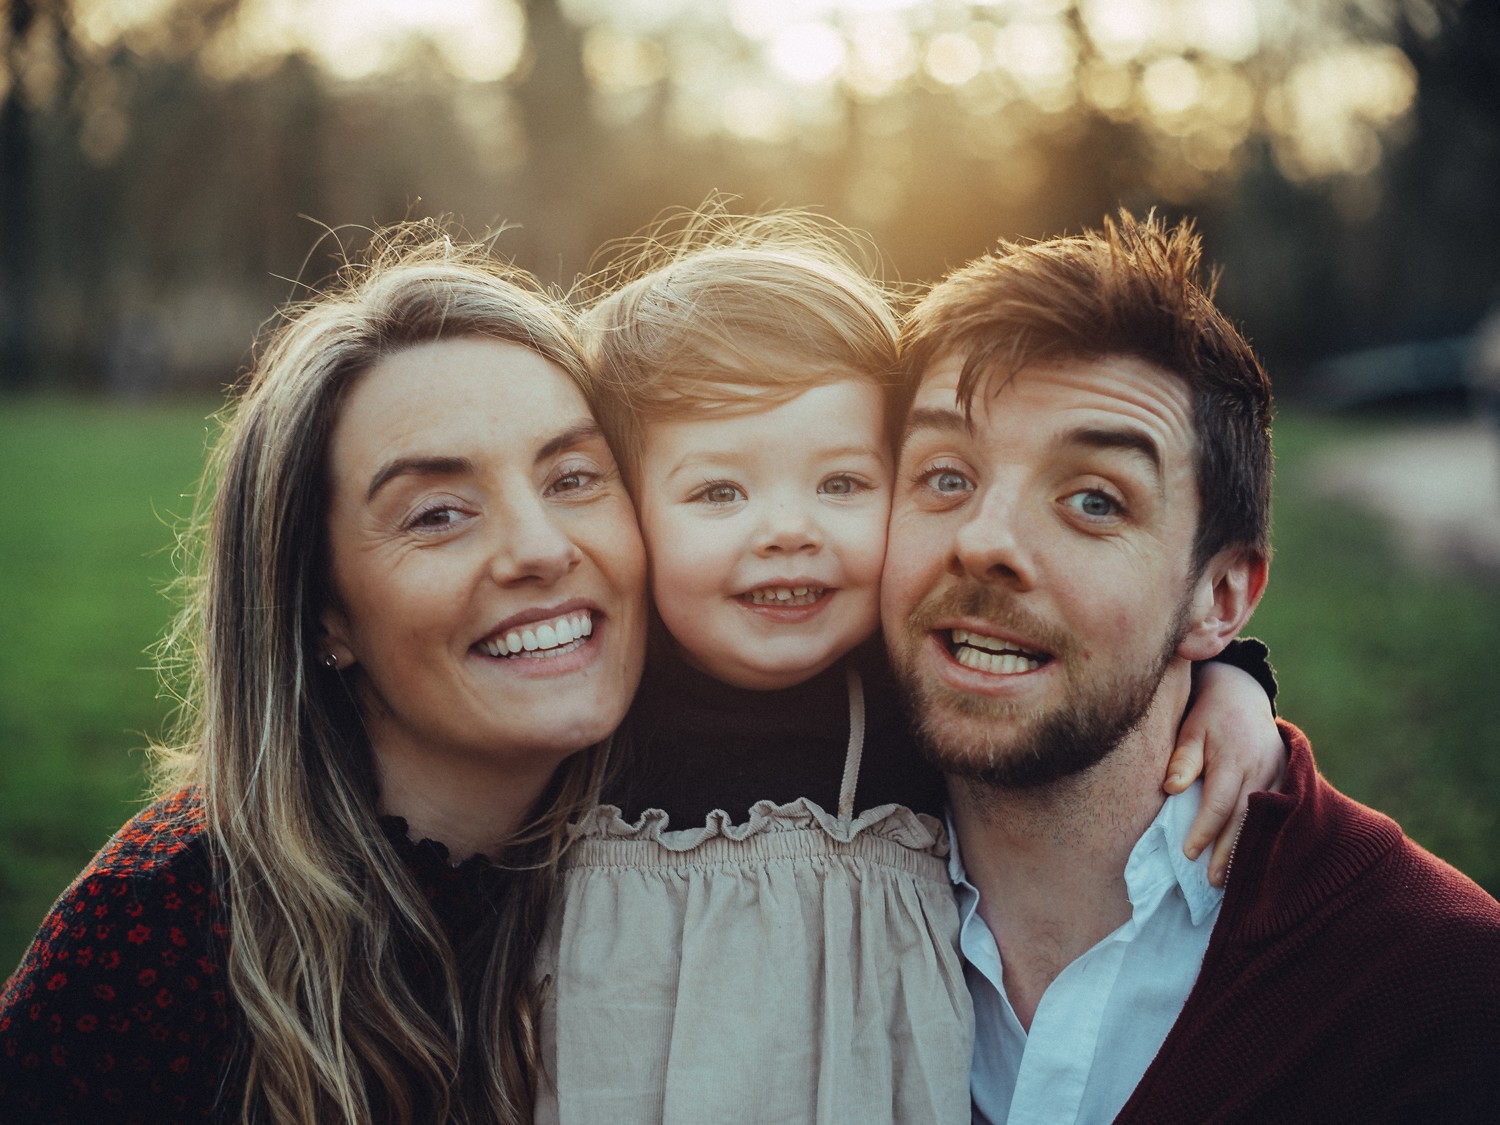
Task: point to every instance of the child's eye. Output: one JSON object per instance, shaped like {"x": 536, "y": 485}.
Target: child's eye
{"x": 718, "y": 492}
{"x": 842, "y": 484}
{"x": 1094, "y": 504}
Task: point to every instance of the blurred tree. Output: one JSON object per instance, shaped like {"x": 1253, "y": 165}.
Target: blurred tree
{"x": 17, "y": 200}
{"x": 1341, "y": 154}
{"x": 563, "y": 182}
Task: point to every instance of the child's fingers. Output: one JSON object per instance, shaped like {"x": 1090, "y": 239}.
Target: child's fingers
{"x": 1186, "y": 762}
{"x": 1215, "y": 819}
{"x": 1218, "y": 863}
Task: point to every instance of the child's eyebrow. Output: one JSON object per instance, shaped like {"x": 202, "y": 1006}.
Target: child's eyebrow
{"x": 856, "y": 450}
{"x": 731, "y": 459}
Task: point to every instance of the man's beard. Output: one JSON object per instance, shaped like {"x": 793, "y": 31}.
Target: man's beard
{"x": 1000, "y": 748}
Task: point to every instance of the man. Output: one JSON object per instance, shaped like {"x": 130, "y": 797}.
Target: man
{"x": 1082, "y": 510}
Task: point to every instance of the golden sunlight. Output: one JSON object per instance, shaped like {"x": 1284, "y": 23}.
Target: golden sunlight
{"x": 478, "y": 40}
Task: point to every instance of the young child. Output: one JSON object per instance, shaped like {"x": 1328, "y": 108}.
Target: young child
{"x": 760, "y": 925}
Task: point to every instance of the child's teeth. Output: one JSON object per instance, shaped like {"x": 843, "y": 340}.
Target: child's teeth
{"x": 785, "y": 595}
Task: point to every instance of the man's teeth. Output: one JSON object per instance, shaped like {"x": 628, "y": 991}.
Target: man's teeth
{"x": 991, "y": 654}
{"x": 785, "y": 595}
{"x": 543, "y": 636}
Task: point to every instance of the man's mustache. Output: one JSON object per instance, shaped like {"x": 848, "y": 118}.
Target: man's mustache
{"x": 997, "y": 607}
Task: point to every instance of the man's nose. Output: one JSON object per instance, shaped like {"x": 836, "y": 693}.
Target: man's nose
{"x": 993, "y": 544}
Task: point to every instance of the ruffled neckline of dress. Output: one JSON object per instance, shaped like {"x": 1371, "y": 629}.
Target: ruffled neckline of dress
{"x": 457, "y": 891}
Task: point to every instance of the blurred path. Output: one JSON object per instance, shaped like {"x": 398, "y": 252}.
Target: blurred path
{"x": 1439, "y": 481}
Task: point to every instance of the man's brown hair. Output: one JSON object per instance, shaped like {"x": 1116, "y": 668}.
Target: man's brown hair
{"x": 1134, "y": 289}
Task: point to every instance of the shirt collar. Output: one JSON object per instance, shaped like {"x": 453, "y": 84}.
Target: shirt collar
{"x": 1156, "y": 862}
{"x": 1155, "y": 865}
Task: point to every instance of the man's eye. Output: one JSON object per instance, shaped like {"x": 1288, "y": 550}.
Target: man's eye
{"x": 947, "y": 481}
{"x": 1094, "y": 504}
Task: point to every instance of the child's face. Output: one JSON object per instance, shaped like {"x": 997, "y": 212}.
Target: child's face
{"x": 766, "y": 533}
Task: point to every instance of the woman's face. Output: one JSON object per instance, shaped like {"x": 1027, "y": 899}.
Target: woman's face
{"x": 486, "y": 563}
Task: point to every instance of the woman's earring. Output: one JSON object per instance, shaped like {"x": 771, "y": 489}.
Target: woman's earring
{"x": 331, "y": 661}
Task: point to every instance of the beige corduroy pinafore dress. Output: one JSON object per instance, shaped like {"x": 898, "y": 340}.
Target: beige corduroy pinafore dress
{"x": 798, "y": 968}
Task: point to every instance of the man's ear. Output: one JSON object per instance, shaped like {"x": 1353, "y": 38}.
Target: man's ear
{"x": 1224, "y": 597}
{"x": 333, "y": 641}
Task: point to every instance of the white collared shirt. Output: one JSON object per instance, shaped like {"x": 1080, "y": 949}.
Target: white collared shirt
{"x": 1102, "y": 1020}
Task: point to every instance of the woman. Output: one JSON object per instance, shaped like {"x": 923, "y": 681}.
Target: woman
{"x": 421, "y": 597}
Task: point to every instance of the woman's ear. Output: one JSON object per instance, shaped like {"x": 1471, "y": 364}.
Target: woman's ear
{"x": 334, "y": 650}
{"x": 1224, "y": 597}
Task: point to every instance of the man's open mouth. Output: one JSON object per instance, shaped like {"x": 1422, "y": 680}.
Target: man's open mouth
{"x": 991, "y": 654}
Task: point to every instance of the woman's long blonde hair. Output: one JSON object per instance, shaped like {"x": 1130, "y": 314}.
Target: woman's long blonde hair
{"x": 356, "y": 1007}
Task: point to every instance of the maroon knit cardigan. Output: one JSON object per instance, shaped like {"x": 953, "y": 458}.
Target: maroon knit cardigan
{"x": 1351, "y": 977}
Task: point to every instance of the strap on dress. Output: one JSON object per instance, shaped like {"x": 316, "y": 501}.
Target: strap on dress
{"x": 856, "y": 750}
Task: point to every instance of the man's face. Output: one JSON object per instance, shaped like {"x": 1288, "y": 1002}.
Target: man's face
{"x": 1039, "y": 569}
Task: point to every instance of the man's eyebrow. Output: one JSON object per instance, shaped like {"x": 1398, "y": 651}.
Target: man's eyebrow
{"x": 943, "y": 419}
{"x": 417, "y": 466}
{"x": 1133, "y": 441}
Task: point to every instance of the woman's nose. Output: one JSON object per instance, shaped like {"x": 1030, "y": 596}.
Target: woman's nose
{"x": 530, "y": 545}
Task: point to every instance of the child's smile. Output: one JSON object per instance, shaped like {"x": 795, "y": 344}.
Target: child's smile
{"x": 766, "y": 532}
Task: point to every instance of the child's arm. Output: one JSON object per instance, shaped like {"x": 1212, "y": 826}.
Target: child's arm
{"x": 1230, "y": 735}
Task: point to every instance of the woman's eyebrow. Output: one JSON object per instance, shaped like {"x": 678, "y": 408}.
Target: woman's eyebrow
{"x": 577, "y": 434}
{"x": 586, "y": 429}
{"x": 417, "y": 466}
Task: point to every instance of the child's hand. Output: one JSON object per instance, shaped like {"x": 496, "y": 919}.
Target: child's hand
{"x": 1229, "y": 736}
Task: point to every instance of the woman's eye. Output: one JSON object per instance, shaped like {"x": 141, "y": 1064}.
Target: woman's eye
{"x": 436, "y": 518}
{"x": 718, "y": 492}
{"x": 575, "y": 476}
{"x": 572, "y": 482}
{"x": 1094, "y": 504}
{"x": 841, "y": 484}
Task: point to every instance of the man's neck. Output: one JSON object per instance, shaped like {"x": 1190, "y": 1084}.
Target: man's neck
{"x": 1049, "y": 862}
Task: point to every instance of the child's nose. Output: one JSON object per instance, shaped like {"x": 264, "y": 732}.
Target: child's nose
{"x": 788, "y": 527}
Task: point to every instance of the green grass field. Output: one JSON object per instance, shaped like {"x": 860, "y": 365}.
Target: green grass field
{"x": 1390, "y": 670}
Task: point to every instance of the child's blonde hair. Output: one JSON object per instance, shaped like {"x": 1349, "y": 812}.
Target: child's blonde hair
{"x": 711, "y": 312}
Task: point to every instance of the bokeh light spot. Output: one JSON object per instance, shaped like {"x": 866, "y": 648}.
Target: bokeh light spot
{"x": 807, "y": 53}
{"x": 1171, "y": 86}
{"x": 953, "y": 59}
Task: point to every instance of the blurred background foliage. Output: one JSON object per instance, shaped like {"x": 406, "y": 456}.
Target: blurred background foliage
{"x": 1343, "y": 156}
{"x": 169, "y": 170}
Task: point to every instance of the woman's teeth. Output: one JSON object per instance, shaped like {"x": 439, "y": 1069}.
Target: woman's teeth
{"x": 991, "y": 654}
{"x": 784, "y": 595}
{"x": 544, "y": 636}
